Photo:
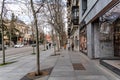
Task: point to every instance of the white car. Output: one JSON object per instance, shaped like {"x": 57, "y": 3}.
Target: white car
{"x": 18, "y": 45}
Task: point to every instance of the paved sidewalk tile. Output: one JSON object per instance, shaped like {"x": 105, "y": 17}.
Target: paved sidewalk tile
{"x": 62, "y": 78}
{"x": 63, "y": 69}
{"x": 62, "y": 74}
{"x": 91, "y": 77}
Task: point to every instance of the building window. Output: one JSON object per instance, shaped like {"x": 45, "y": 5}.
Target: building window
{"x": 75, "y": 2}
{"x": 84, "y": 6}
{"x": 75, "y": 15}
{"x": 68, "y": 3}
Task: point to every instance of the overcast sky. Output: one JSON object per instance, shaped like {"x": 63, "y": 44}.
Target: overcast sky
{"x": 18, "y": 9}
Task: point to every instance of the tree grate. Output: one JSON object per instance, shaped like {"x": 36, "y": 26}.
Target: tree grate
{"x": 32, "y": 75}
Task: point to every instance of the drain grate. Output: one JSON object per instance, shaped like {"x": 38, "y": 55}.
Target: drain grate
{"x": 78, "y": 66}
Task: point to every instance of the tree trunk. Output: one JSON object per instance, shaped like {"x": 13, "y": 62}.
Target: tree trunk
{"x": 37, "y": 38}
{"x": 2, "y": 32}
{"x": 61, "y": 41}
{"x": 57, "y": 42}
{"x": 10, "y": 37}
{"x": 53, "y": 42}
{"x": 44, "y": 40}
{"x": 33, "y": 39}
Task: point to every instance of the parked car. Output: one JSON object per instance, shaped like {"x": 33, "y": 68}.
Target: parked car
{"x": 18, "y": 45}
{"x": 33, "y": 45}
{"x": 5, "y": 47}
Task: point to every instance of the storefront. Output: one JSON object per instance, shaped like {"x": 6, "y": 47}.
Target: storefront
{"x": 110, "y": 33}
{"x": 83, "y": 40}
{"x": 76, "y": 40}
{"x": 117, "y": 38}
{"x": 110, "y": 39}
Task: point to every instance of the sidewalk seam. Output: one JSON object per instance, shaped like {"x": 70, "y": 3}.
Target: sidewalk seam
{"x": 71, "y": 63}
{"x": 54, "y": 66}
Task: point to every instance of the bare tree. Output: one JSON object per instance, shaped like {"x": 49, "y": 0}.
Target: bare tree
{"x": 34, "y": 7}
{"x": 37, "y": 34}
{"x": 12, "y": 28}
{"x": 56, "y": 19}
{"x": 1, "y": 20}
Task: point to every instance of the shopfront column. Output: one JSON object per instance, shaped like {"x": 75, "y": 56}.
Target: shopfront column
{"x": 90, "y": 41}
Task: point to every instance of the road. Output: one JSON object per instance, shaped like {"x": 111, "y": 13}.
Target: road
{"x": 13, "y": 53}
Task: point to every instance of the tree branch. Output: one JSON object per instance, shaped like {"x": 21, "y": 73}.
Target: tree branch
{"x": 39, "y": 8}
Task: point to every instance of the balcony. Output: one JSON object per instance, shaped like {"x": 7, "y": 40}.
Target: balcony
{"x": 75, "y": 15}
{"x": 75, "y": 21}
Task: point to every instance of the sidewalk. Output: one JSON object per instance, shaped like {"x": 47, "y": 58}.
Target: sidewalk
{"x": 23, "y": 65}
{"x": 76, "y": 66}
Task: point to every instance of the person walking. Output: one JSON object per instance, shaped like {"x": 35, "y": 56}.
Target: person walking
{"x": 65, "y": 46}
{"x": 68, "y": 46}
{"x": 49, "y": 45}
{"x": 72, "y": 45}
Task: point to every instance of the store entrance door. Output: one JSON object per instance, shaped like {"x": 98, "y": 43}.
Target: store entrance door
{"x": 117, "y": 39}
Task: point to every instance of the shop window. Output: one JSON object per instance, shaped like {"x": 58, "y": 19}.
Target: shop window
{"x": 105, "y": 28}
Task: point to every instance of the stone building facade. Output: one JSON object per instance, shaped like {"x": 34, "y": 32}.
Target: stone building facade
{"x": 73, "y": 23}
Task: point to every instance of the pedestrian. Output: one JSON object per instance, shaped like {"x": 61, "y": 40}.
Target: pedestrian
{"x": 49, "y": 45}
{"x": 65, "y": 46}
{"x": 72, "y": 45}
{"x": 69, "y": 46}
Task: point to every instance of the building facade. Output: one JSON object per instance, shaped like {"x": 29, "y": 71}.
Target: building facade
{"x": 93, "y": 26}
{"x": 73, "y": 22}
{"x": 19, "y": 33}
{"x": 99, "y": 28}
{"x": 98, "y": 31}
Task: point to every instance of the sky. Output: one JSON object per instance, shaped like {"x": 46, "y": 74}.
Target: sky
{"x": 20, "y": 10}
